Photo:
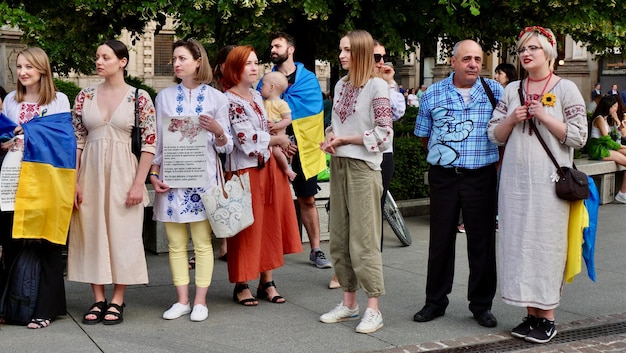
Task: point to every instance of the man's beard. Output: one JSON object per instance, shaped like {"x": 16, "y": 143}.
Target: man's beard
{"x": 279, "y": 59}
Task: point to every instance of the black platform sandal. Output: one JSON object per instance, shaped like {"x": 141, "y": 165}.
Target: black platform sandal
{"x": 99, "y": 314}
{"x": 119, "y": 314}
{"x": 262, "y": 294}
{"x": 247, "y": 301}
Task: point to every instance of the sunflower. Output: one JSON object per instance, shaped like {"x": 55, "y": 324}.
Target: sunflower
{"x": 548, "y": 99}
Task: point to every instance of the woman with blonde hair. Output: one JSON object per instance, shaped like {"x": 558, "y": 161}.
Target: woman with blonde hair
{"x": 533, "y": 221}
{"x": 182, "y": 208}
{"x": 36, "y": 96}
{"x": 361, "y": 129}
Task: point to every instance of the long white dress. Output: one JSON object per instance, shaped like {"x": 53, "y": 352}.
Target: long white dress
{"x": 184, "y": 205}
{"x": 106, "y": 243}
{"x": 533, "y": 221}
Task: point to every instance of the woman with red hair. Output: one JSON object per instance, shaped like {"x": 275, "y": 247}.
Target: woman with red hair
{"x": 258, "y": 249}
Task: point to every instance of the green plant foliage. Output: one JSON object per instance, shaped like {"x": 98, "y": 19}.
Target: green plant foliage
{"x": 409, "y": 156}
{"x": 406, "y": 125}
{"x": 137, "y": 82}
{"x": 70, "y": 30}
{"x": 70, "y": 89}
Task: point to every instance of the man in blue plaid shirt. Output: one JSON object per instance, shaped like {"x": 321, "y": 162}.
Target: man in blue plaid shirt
{"x": 452, "y": 123}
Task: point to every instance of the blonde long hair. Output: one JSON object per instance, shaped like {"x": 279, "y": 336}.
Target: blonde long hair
{"x": 362, "y": 66}
{"x": 39, "y": 59}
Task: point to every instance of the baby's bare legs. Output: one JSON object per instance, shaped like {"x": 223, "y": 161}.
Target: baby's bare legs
{"x": 281, "y": 159}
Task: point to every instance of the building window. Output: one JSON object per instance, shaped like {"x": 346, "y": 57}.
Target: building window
{"x": 163, "y": 54}
{"x": 613, "y": 64}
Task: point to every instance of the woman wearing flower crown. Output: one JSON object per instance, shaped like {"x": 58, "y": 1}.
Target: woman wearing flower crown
{"x": 532, "y": 244}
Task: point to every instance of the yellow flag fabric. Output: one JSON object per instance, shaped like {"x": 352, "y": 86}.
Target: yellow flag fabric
{"x": 309, "y": 135}
{"x": 578, "y": 221}
{"x": 43, "y": 210}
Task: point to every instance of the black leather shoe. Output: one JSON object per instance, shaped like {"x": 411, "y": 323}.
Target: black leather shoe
{"x": 428, "y": 313}
{"x": 486, "y": 318}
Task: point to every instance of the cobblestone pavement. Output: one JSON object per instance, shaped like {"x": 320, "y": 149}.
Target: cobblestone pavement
{"x": 604, "y": 340}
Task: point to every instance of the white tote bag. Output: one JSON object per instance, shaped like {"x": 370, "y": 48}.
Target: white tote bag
{"x": 229, "y": 205}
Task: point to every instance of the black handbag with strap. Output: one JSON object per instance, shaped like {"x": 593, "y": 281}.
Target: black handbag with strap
{"x": 135, "y": 134}
{"x": 572, "y": 184}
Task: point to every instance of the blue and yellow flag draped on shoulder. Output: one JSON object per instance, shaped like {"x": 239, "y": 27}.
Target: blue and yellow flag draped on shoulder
{"x": 307, "y": 119}
{"x": 45, "y": 191}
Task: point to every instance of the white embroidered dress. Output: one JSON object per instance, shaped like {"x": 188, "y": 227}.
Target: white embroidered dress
{"x": 184, "y": 205}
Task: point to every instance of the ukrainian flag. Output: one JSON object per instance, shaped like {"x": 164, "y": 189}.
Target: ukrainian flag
{"x": 307, "y": 119}
{"x": 45, "y": 192}
{"x": 307, "y": 115}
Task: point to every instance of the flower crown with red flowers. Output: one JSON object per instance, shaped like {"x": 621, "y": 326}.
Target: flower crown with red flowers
{"x": 540, "y": 30}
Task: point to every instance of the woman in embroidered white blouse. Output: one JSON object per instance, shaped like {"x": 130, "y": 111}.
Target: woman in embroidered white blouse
{"x": 179, "y": 207}
{"x": 361, "y": 105}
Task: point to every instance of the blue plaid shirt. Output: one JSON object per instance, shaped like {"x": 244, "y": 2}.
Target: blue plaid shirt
{"x": 457, "y": 131}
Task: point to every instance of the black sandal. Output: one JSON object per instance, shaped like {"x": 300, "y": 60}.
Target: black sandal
{"x": 99, "y": 314}
{"x": 119, "y": 314}
{"x": 39, "y": 323}
{"x": 247, "y": 301}
{"x": 262, "y": 294}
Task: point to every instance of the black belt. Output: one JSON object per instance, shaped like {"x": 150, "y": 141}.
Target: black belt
{"x": 463, "y": 171}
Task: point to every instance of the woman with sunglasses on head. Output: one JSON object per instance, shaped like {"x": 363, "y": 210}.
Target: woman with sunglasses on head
{"x": 106, "y": 244}
{"x": 361, "y": 129}
{"x": 181, "y": 209}
{"x": 533, "y": 221}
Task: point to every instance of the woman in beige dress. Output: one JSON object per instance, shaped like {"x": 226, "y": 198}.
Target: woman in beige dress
{"x": 106, "y": 243}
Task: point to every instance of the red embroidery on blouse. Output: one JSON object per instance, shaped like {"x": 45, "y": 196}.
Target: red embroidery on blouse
{"x": 27, "y": 112}
{"x": 382, "y": 111}
{"x": 347, "y": 101}
{"x": 241, "y": 137}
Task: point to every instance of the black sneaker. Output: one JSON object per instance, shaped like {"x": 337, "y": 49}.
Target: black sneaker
{"x": 543, "y": 333}
{"x": 522, "y": 330}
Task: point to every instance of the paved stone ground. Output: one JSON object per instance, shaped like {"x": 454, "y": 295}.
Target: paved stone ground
{"x": 600, "y": 344}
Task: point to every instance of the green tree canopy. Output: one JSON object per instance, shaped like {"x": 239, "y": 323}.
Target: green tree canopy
{"x": 70, "y": 30}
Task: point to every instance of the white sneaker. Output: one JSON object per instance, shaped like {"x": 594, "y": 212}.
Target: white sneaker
{"x": 340, "y": 313}
{"x": 371, "y": 322}
{"x": 620, "y": 197}
{"x": 177, "y": 310}
{"x": 200, "y": 313}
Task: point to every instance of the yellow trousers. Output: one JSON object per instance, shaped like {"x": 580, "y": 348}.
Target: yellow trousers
{"x": 178, "y": 238}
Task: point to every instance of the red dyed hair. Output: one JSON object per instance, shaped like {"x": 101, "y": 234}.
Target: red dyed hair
{"x": 235, "y": 64}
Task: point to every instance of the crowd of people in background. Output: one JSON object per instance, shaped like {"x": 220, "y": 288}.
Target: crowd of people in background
{"x": 278, "y": 134}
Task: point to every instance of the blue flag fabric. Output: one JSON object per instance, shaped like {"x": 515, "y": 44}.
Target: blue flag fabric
{"x": 304, "y": 97}
{"x": 589, "y": 233}
{"x": 45, "y": 191}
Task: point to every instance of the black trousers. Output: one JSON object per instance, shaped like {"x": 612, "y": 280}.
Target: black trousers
{"x": 472, "y": 192}
{"x": 51, "y": 295}
{"x": 386, "y": 167}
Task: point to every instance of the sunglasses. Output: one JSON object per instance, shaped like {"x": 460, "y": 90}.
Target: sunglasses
{"x": 385, "y": 58}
